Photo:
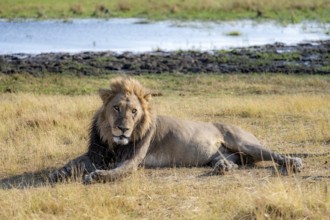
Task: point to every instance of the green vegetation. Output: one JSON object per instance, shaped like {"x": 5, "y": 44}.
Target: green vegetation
{"x": 174, "y": 84}
{"x": 281, "y": 10}
{"x": 234, "y": 33}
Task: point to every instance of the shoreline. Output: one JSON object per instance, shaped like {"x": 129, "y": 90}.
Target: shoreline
{"x": 303, "y": 58}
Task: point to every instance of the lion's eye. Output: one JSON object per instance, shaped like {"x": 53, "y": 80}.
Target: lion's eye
{"x": 134, "y": 110}
{"x": 116, "y": 107}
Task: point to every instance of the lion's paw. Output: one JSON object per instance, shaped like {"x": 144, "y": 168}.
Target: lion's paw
{"x": 223, "y": 166}
{"x": 92, "y": 177}
{"x": 292, "y": 165}
{"x": 88, "y": 179}
{"x": 297, "y": 164}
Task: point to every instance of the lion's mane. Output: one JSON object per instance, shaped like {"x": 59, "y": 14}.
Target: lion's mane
{"x": 128, "y": 86}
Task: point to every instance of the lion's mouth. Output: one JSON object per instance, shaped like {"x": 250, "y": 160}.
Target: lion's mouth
{"x": 122, "y": 139}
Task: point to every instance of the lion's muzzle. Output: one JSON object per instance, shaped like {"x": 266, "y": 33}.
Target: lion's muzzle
{"x": 121, "y": 140}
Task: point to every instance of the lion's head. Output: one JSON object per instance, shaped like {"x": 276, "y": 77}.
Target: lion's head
{"x": 126, "y": 111}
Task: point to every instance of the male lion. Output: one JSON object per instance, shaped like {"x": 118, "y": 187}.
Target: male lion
{"x": 125, "y": 134}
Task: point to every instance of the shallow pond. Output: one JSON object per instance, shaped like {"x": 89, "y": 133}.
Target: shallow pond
{"x": 140, "y": 36}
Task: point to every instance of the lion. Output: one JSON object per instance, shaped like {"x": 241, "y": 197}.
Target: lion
{"x": 126, "y": 134}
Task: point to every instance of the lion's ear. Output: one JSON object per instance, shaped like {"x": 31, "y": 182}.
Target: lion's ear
{"x": 147, "y": 97}
{"x": 105, "y": 94}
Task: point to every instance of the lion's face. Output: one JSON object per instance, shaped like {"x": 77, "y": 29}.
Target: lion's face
{"x": 123, "y": 113}
{"x": 126, "y": 113}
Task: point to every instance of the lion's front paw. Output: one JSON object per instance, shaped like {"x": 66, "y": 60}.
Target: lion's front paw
{"x": 88, "y": 179}
{"x": 93, "y": 177}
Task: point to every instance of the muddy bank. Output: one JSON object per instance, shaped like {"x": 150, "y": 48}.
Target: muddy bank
{"x": 307, "y": 58}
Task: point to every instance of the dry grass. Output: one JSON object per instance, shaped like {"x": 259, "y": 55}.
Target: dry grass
{"x": 41, "y": 131}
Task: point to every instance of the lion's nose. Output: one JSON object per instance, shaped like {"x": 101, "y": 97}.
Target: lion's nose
{"x": 123, "y": 129}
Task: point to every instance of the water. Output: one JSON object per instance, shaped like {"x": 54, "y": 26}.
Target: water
{"x": 135, "y": 35}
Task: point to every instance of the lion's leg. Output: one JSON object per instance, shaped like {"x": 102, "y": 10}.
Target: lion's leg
{"x": 241, "y": 141}
{"x": 259, "y": 153}
{"x": 73, "y": 169}
{"x": 224, "y": 162}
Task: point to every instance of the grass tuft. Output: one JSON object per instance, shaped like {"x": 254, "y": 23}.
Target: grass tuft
{"x": 76, "y": 9}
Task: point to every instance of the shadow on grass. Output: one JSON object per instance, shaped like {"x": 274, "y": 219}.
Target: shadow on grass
{"x": 40, "y": 178}
{"x": 270, "y": 170}
{"x": 26, "y": 180}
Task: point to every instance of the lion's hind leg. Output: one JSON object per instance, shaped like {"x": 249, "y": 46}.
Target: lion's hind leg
{"x": 242, "y": 142}
{"x": 259, "y": 153}
{"x": 256, "y": 152}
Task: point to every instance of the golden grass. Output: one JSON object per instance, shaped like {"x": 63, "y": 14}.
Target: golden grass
{"x": 235, "y": 196}
{"x": 40, "y": 131}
